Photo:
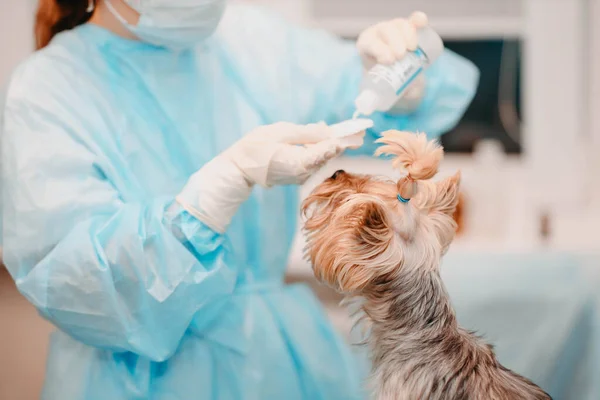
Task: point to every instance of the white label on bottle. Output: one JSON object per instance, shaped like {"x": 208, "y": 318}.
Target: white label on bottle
{"x": 400, "y": 74}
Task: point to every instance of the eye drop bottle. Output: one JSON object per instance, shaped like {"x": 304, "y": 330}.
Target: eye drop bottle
{"x": 383, "y": 85}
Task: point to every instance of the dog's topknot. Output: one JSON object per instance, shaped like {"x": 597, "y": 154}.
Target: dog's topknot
{"x": 413, "y": 152}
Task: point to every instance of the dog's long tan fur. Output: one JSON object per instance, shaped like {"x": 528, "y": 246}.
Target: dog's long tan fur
{"x": 367, "y": 244}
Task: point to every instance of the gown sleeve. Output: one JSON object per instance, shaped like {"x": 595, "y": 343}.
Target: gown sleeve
{"x": 121, "y": 275}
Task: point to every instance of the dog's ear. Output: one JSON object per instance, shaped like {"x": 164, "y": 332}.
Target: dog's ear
{"x": 355, "y": 247}
{"x": 439, "y": 203}
{"x": 445, "y": 199}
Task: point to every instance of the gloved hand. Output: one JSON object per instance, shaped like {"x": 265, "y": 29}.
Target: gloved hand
{"x": 286, "y": 154}
{"x": 278, "y": 154}
{"x": 387, "y": 42}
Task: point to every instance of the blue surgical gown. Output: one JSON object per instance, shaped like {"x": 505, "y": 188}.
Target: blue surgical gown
{"x": 100, "y": 133}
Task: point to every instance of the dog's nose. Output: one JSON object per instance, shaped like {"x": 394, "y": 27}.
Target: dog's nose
{"x": 337, "y": 173}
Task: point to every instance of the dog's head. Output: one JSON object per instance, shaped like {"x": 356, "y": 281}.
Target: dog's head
{"x": 364, "y": 230}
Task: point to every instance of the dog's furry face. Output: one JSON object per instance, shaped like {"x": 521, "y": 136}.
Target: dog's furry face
{"x": 360, "y": 234}
{"x": 382, "y": 241}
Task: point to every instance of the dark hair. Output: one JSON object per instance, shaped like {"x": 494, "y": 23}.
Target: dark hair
{"x": 54, "y": 16}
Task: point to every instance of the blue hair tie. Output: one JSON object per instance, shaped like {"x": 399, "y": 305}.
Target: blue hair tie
{"x": 402, "y": 199}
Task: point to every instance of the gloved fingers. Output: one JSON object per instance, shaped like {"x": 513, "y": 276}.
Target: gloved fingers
{"x": 305, "y": 134}
{"x": 419, "y": 19}
{"x": 370, "y": 44}
{"x": 394, "y": 36}
{"x": 285, "y": 153}
{"x": 312, "y": 133}
{"x": 368, "y": 62}
{"x": 408, "y": 31}
{"x": 304, "y": 177}
{"x": 387, "y": 42}
{"x": 286, "y": 167}
{"x": 319, "y": 154}
{"x": 353, "y": 142}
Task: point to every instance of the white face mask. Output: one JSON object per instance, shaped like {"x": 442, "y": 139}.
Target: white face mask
{"x": 176, "y": 24}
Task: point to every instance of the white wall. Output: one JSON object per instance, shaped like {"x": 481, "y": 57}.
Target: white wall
{"x": 16, "y": 34}
{"x": 594, "y": 107}
{"x": 594, "y": 23}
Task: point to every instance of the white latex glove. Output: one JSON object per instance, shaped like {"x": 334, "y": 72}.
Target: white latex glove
{"x": 285, "y": 153}
{"x": 278, "y": 154}
{"x": 387, "y": 42}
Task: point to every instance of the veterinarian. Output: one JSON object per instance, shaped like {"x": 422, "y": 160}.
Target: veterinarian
{"x": 150, "y": 197}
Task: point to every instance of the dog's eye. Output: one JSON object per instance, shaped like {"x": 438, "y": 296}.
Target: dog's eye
{"x": 337, "y": 173}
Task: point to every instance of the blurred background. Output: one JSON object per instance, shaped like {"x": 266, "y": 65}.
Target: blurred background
{"x": 523, "y": 270}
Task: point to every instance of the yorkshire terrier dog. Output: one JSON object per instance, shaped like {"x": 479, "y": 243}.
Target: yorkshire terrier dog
{"x": 381, "y": 242}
